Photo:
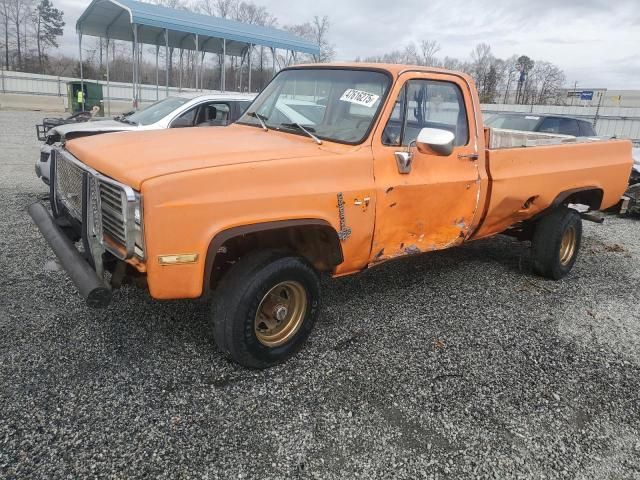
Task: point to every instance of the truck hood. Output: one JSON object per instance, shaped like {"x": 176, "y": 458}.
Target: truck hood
{"x": 97, "y": 126}
{"x": 133, "y": 157}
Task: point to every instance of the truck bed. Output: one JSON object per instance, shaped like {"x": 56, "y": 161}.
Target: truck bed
{"x": 524, "y": 180}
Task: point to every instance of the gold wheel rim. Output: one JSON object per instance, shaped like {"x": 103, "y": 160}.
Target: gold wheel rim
{"x": 280, "y": 313}
{"x": 568, "y": 246}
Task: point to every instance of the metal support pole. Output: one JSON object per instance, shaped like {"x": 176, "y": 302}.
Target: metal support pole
{"x": 180, "y": 73}
{"x": 202, "y": 70}
{"x": 223, "y": 84}
{"x": 249, "y": 63}
{"x": 138, "y": 70}
{"x": 196, "y": 65}
{"x": 135, "y": 66}
{"x": 157, "y": 74}
{"x": 241, "y": 68}
{"x": 181, "y": 63}
{"x": 166, "y": 62}
{"x": 133, "y": 73}
{"x": 81, "y": 73}
{"x": 108, "y": 87}
{"x": 273, "y": 62}
{"x": 261, "y": 65}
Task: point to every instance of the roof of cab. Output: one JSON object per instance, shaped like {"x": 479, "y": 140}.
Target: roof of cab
{"x": 394, "y": 68}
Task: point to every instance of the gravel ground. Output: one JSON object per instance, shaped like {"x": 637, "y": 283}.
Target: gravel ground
{"x": 459, "y": 364}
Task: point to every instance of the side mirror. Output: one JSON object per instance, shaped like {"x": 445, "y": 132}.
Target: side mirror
{"x": 181, "y": 123}
{"x": 435, "y": 140}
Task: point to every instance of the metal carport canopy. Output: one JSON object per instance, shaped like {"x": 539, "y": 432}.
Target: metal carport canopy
{"x": 114, "y": 19}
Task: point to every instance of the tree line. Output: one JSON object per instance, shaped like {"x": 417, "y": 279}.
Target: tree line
{"x": 29, "y": 30}
{"x": 517, "y": 79}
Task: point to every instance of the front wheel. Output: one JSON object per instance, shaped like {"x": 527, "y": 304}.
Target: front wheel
{"x": 556, "y": 242}
{"x": 265, "y": 308}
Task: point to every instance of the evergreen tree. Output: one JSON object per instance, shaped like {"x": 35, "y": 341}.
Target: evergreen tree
{"x": 49, "y": 26}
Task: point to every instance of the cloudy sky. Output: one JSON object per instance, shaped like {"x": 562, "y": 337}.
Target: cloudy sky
{"x": 596, "y": 42}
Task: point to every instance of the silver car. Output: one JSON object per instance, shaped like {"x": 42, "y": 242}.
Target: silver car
{"x": 216, "y": 109}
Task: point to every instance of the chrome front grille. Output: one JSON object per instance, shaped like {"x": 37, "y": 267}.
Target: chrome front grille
{"x": 110, "y": 206}
{"x": 113, "y": 204}
{"x": 69, "y": 186}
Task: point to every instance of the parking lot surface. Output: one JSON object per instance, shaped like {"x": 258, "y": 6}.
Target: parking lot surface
{"x": 459, "y": 364}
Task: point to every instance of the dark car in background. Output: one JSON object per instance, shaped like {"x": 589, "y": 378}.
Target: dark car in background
{"x": 542, "y": 123}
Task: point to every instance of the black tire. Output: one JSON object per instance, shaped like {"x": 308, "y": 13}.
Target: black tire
{"x": 243, "y": 290}
{"x": 550, "y": 258}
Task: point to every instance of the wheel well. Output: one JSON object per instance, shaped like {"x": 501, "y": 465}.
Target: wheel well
{"x": 317, "y": 242}
{"x": 591, "y": 197}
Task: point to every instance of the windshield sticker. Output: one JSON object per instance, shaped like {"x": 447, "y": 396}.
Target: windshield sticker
{"x": 531, "y": 117}
{"x": 359, "y": 97}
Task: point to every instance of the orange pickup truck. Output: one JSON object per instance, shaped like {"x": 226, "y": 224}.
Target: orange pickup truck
{"x": 333, "y": 169}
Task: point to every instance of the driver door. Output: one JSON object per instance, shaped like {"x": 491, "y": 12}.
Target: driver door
{"x": 432, "y": 204}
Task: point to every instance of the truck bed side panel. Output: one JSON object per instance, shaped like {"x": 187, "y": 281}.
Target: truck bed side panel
{"x": 526, "y": 181}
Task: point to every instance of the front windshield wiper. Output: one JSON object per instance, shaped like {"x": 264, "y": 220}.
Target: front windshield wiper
{"x": 305, "y": 130}
{"x": 261, "y": 118}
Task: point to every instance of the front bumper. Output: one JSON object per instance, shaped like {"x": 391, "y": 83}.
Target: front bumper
{"x": 90, "y": 286}
{"x": 43, "y": 163}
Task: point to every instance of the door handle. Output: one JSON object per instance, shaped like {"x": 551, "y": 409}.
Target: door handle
{"x": 364, "y": 201}
{"x": 471, "y": 156}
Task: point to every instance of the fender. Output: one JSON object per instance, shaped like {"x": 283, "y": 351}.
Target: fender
{"x": 225, "y": 235}
{"x": 581, "y": 193}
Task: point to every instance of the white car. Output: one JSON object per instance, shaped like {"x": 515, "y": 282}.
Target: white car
{"x": 635, "y": 173}
{"x": 216, "y": 109}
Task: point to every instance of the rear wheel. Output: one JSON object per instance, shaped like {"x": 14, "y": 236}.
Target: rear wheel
{"x": 556, "y": 242}
{"x": 265, "y": 308}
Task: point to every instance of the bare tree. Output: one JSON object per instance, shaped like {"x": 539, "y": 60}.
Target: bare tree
{"x": 321, "y": 34}
{"x": 429, "y": 50}
{"x": 495, "y": 78}
{"x": 5, "y": 17}
{"x": 19, "y": 12}
{"x": 544, "y": 84}
{"x": 225, "y": 8}
{"x": 508, "y": 76}
{"x": 316, "y": 31}
{"x": 481, "y": 60}
{"x": 451, "y": 63}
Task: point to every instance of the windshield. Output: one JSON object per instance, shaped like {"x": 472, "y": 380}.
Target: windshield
{"x": 156, "y": 111}
{"x": 527, "y": 123}
{"x": 335, "y": 105}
